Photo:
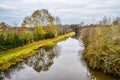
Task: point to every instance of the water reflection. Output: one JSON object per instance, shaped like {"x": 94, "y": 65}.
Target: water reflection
{"x": 10, "y": 71}
{"x": 41, "y": 61}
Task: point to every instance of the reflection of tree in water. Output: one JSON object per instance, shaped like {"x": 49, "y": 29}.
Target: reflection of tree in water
{"x": 39, "y": 62}
{"x": 43, "y": 60}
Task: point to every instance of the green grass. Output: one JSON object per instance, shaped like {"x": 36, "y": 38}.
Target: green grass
{"x": 11, "y": 57}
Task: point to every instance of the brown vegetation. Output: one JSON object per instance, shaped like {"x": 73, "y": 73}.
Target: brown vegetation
{"x": 102, "y": 48}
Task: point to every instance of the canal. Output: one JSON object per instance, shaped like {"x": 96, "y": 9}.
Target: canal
{"x": 63, "y": 62}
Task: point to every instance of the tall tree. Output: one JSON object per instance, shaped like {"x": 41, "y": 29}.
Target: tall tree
{"x": 39, "y": 18}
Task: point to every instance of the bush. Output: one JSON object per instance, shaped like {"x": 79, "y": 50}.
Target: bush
{"x": 13, "y": 39}
{"x": 49, "y": 35}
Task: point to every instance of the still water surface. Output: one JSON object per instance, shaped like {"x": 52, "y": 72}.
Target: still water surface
{"x": 63, "y": 62}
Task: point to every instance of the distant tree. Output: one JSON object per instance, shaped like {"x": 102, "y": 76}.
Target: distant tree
{"x": 38, "y": 18}
{"x": 116, "y": 21}
{"x": 82, "y": 23}
{"x": 58, "y": 21}
{"x": 105, "y": 21}
{"x": 3, "y": 26}
{"x": 59, "y": 26}
{"x": 67, "y": 29}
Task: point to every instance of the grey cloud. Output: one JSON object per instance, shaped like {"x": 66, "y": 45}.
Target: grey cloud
{"x": 70, "y": 11}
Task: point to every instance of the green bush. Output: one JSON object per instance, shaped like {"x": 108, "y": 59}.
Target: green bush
{"x": 49, "y": 35}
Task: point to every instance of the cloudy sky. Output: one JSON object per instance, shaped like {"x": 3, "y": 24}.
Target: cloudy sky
{"x": 69, "y": 11}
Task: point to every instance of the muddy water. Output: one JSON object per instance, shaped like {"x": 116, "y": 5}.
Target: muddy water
{"x": 62, "y": 62}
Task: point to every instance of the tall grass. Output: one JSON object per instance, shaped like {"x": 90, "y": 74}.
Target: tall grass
{"x": 102, "y": 48}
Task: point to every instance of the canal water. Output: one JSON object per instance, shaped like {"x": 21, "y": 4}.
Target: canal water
{"x": 63, "y": 62}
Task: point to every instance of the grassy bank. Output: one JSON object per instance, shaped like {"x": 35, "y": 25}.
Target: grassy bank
{"x": 102, "y": 48}
{"x": 11, "y": 57}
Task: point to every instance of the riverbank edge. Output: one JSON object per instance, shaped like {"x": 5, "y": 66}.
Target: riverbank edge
{"x": 11, "y": 57}
{"x": 107, "y": 64}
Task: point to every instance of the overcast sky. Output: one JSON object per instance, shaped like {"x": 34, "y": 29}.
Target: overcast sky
{"x": 69, "y": 11}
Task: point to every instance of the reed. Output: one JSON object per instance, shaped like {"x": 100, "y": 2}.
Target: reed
{"x": 102, "y": 48}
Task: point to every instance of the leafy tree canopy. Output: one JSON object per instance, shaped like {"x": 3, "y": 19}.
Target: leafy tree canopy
{"x": 38, "y": 18}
